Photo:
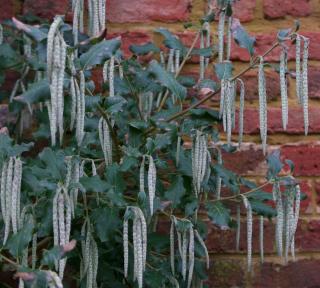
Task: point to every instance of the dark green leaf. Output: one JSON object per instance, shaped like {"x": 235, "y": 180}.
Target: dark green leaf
{"x": 176, "y": 191}
{"x": 218, "y": 214}
{"x": 241, "y": 37}
{"x": 171, "y": 41}
{"x": 50, "y": 257}
{"x": 99, "y": 53}
{"x": 94, "y": 184}
{"x": 167, "y": 80}
{"x": 144, "y": 49}
{"x": 223, "y": 70}
{"x": 37, "y": 92}
{"x": 18, "y": 242}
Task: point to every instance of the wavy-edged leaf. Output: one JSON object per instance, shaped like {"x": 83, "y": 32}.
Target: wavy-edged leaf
{"x": 167, "y": 80}
{"x": 176, "y": 191}
{"x": 218, "y": 214}
{"x": 241, "y": 36}
{"x": 171, "y": 41}
{"x": 100, "y": 52}
{"x": 223, "y": 70}
{"x": 144, "y": 49}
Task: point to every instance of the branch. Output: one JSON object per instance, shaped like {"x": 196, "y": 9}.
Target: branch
{"x": 245, "y": 193}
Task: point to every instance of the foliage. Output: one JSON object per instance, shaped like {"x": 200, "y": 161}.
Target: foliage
{"x": 145, "y": 123}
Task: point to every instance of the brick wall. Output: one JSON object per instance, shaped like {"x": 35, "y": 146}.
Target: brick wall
{"x": 135, "y": 21}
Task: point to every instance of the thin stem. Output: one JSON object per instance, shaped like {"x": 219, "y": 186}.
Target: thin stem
{"x": 164, "y": 99}
{"x": 8, "y": 260}
{"x": 240, "y": 194}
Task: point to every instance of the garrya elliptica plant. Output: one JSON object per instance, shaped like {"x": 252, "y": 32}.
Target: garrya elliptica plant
{"x": 105, "y": 165}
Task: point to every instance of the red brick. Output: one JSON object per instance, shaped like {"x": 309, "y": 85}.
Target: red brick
{"x": 280, "y": 8}
{"x": 7, "y": 9}
{"x": 248, "y": 161}
{"x": 303, "y": 273}
{"x": 305, "y": 156}
{"x": 227, "y": 272}
{"x": 308, "y": 236}
{"x": 251, "y": 85}
{"x": 46, "y": 8}
{"x": 130, "y": 38}
{"x": 121, "y": 11}
{"x": 314, "y": 83}
{"x": 266, "y": 40}
{"x": 295, "y": 123}
{"x": 221, "y": 241}
{"x": 244, "y": 10}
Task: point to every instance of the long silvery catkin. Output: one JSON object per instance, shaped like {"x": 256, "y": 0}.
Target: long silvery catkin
{"x": 202, "y": 59}
{"x": 152, "y": 174}
{"x": 191, "y": 256}
{"x": 261, "y": 240}
{"x": 249, "y": 232}
{"x": 204, "y": 247}
{"x": 279, "y": 218}
{"x": 229, "y": 38}
{"x": 111, "y": 76}
{"x": 241, "y": 110}
{"x": 56, "y": 57}
{"x": 105, "y": 140}
{"x": 305, "y": 93}
{"x": 172, "y": 246}
{"x": 262, "y": 105}
{"x": 207, "y": 29}
{"x": 284, "y": 88}
{"x": 298, "y": 69}
{"x": 81, "y": 109}
{"x": 221, "y": 24}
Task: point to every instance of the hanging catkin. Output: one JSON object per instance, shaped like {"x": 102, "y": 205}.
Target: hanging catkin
{"x": 261, "y": 228}
{"x": 152, "y": 176}
{"x": 241, "y": 110}
{"x": 105, "y": 140}
{"x": 80, "y": 108}
{"x": 247, "y": 205}
{"x": 191, "y": 256}
{"x": 207, "y": 29}
{"x": 283, "y": 87}
{"x": 204, "y": 247}
{"x": 111, "y": 76}
{"x": 11, "y": 175}
{"x": 279, "y": 219}
{"x": 139, "y": 235}
{"x": 56, "y": 57}
{"x": 305, "y": 93}
{"x": 229, "y": 38}
{"x": 202, "y": 59}
{"x": 262, "y": 105}
{"x": 221, "y": 24}
{"x": 298, "y": 69}
{"x": 199, "y": 161}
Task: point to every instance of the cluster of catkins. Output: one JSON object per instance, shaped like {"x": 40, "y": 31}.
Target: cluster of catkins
{"x": 201, "y": 160}
{"x": 56, "y": 60}
{"x": 221, "y": 36}
{"x": 96, "y": 17}
{"x": 186, "y": 244}
{"x": 139, "y": 236}
{"x": 228, "y": 107}
{"x": 11, "y": 174}
{"x": 90, "y": 260}
{"x": 287, "y": 205}
{"x": 152, "y": 179}
{"x": 61, "y": 219}
{"x": 108, "y": 73}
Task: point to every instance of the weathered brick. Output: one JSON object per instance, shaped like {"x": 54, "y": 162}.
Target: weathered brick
{"x": 120, "y": 11}
{"x": 244, "y": 10}
{"x": 308, "y": 235}
{"x": 305, "y": 156}
{"x": 314, "y": 83}
{"x": 46, "y": 8}
{"x": 226, "y": 272}
{"x": 280, "y": 8}
{"x": 248, "y": 161}
{"x": 7, "y": 9}
{"x": 295, "y": 122}
{"x": 302, "y": 273}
